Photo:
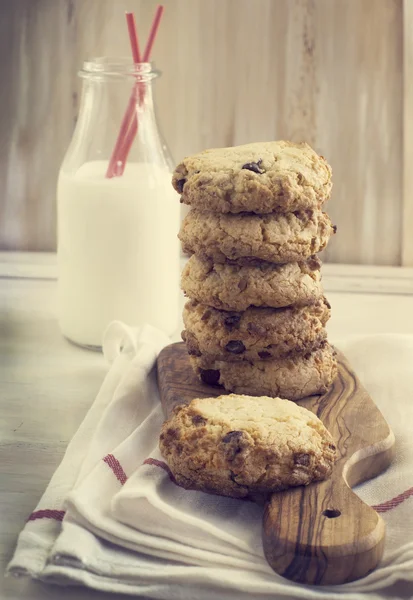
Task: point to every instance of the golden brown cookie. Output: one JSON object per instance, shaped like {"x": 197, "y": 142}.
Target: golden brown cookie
{"x": 292, "y": 377}
{"x": 240, "y": 446}
{"x": 277, "y": 238}
{"x": 256, "y": 333}
{"x": 260, "y": 177}
{"x": 234, "y": 287}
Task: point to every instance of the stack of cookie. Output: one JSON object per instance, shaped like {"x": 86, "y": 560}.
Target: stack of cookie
{"x": 255, "y": 322}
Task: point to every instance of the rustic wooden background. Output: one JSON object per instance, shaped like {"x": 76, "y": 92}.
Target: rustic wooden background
{"x": 337, "y": 73}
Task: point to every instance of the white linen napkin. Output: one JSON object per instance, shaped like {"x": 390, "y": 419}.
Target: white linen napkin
{"x": 112, "y": 517}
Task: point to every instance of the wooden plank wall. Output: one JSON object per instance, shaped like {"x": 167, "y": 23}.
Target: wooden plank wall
{"x": 332, "y": 72}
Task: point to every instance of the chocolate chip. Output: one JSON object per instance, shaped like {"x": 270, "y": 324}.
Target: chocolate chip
{"x": 232, "y": 436}
{"x": 300, "y": 178}
{"x": 180, "y": 185}
{"x": 210, "y": 376}
{"x": 254, "y": 166}
{"x": 232, "y": 321}
{"x": 234, "y": 442}
{"x": 206, "y": 315}
{"x": 235, "y": 347}
{"x": 332, "y": 446}
{"x": 327, "y": 303}
{"x": 173, "y": 433}
{"x": 198, "y": 420}
{"x": 314, "y": 263}
{"x": 335, "y": 228}
{"x": 242, "y": 284}
{"x": 302, "y": 459}
{"x": 264, "y": 354}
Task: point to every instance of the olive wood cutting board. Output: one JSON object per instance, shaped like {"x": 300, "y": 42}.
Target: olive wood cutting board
{"x": 321, "y": 533}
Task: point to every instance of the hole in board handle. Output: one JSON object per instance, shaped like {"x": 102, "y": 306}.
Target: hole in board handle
{"x": 331, "y": 513}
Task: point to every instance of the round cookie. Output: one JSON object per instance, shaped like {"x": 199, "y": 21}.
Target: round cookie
{"x": 244, "y": 446}
{"x": 234, "y": 287}
{"x": 293, "y": 377}
{"x": 277, "y": 238}
{"x": 260, "y": 177}
{"x": 256, "y": 333}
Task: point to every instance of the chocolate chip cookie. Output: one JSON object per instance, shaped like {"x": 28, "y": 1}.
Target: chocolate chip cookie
{"x": 261, "y": 178}
{"x": 244, "y": 446}
{"x": 256, "y": 333}
{"x": 293, "y": 377}
{"x": 277, "y": 238}
{"x": 234, "y": 287}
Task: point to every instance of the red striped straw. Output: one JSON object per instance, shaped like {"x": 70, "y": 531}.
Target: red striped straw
{"x": 129, "y": 124}
{"x": 130, "y": 136}
{"x": 133, "y": 36}
{"x": 153, "y": 33}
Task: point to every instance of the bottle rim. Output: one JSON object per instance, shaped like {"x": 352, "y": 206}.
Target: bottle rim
{"x": 119, "y": 66}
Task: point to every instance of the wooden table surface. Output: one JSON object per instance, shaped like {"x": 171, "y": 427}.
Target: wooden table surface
{"x": 47, "y": 384}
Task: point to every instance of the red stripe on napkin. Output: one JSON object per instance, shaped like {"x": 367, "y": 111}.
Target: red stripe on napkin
{"x": 116, "y": 468}
{"x": 389, "y": 504}
{"x": 120, "y": 474}
{"x": 380, "y": 508}
{"x": 162, "y": 465}
{"x": 47, "y": 513}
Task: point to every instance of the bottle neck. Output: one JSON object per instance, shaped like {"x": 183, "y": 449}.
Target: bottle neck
{"x": 108, "y": 68}
{"x": 117, "y": 110}
{"x": 109, "y": 83}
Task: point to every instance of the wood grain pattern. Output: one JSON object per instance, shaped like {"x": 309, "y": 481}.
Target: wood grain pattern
{"x": 38, "y": 107}
{"x": 322, "y": 533}
{"x": 330, "y": 72}
{"x": 357, "y": 112}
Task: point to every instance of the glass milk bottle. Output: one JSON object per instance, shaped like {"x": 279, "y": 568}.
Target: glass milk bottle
{"x": 118, "y": 215}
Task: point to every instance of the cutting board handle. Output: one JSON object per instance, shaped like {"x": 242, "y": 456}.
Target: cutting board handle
{"x": 322, "y": 533}
{"x": 304, "y": 537}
